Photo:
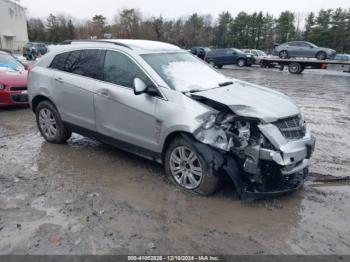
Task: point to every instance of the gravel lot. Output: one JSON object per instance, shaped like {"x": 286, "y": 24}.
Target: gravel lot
{"x": 89, "y": 198}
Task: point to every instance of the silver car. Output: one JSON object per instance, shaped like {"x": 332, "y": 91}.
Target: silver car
{"x": 257, "y": 54}
{"x": 160, "y": 102}
{"x": 303, "y": 49}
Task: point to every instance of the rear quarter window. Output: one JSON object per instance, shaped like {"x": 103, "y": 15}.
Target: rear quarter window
{"x": 59, "y": 61}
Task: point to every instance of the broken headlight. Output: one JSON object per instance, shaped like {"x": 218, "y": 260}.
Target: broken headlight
{"x": 209, "y": 122}
{"x": 224, "y": 131}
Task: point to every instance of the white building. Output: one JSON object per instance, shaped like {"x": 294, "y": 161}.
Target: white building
{"x": 13, "y": 25}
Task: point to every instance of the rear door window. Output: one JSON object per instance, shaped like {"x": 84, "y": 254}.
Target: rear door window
{"x": 72, "y": 61}
{"x": 87, "y": 63}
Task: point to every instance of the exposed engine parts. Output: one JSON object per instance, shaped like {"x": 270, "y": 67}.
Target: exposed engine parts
{"x": 224, "y": 131}
{"x": 257, "y": 150}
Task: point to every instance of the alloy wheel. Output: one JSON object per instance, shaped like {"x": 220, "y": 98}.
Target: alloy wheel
{"x": 283, "y": 54}
{"x": 47, "y": 123}
{"x": 241, "y": 62}
{"x": 185, "y": 167}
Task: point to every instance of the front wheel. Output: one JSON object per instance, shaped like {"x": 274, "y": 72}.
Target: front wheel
{"x": 321, "y": 56}
{"x": 50, "y": 124}
{"x": 241, "y": 62}
{"x": 212, "y": 64}
{"x": 188, "y": 170}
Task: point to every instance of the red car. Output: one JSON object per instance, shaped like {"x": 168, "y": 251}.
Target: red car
{"x": 13, "y": 81}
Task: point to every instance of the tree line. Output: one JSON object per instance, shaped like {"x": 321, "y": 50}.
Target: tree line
{"x": 328, "y": 28}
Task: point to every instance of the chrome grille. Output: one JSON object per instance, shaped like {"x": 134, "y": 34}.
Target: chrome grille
{"x": 18, "y": 88}
{"x": 292, "y": 128}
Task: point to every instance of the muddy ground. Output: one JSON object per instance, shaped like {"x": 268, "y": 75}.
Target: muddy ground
{"x": 88, "y": 198}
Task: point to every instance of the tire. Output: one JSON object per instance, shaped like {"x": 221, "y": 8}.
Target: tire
{"x": 50, "y": 123}
{"x": 241, "y": 62}
{"x": 211, "y": 63}
{"x": 295, "y": 68}
{"x": 205, "y": 185}
{"x": 219, "y": 66}
{"x": 321, "y": 55}
{"x": 283, "y": 54}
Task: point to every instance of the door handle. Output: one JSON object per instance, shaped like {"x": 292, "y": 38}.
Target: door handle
{"x": 103, "y": 92}
{"x": 59, "y": 79}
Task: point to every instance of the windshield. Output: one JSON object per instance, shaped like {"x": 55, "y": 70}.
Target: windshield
{"x": 313, "y": 45}
{"x": 261, "y": 53}
{"x": 237, "y": 51}
{"x": 7, "y": 61}
{"x": 184, "y": 72}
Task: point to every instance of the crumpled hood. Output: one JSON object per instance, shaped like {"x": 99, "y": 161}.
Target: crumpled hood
{"x": 250, "y": 100}
{"x": 10, "y": 77}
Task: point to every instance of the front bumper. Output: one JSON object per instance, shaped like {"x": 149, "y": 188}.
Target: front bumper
{"x": 331, "y": 55}
{"x": 9, "y": 97}
{"x": 250, "y": 60}
{"x": 291, "y": 155}
{"x": 278, "y": 171}
{"x": 294, "y": 183}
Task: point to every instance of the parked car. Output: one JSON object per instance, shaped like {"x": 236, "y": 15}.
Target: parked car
{"x": 342, "y": 57}
{"x": 303, "y": 49}
{"x": 228, "y": 56}
{"x": 39, "y": 47}
{"x": 200, "y": 51}
{"x": 257, "y": 54}
{"x": 13, "y": 81}
{"x": 160, "y": 102}
{"x": 6, "y": 51}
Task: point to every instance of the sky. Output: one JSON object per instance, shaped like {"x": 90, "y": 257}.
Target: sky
{"x": 85, "y": 9}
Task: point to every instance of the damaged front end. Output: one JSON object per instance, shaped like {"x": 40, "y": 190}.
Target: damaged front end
{"x": 263, "y": 159}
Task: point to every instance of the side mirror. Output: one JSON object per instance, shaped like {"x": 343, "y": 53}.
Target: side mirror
{"x": 139, "y": 86}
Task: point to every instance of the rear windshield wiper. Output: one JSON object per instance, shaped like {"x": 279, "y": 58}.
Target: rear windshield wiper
{"x": 225, "y": 83}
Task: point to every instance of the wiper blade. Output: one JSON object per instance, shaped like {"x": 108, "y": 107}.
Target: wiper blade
{"x": 193, "y": 91}
{"x": 225, "y": 83}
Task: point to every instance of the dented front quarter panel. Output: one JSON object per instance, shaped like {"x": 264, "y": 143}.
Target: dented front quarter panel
{"x": 178, "y": 113}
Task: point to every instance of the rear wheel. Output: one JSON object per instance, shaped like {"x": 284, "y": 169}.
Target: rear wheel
{"x": 188, "y": 170}
{"x": 50, "y": 124}
{"x": 295, "y": 68}
{"x": 241, "y": 62}
{"x": 283, "y": 54}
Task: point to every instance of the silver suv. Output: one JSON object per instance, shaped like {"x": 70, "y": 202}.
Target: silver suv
{"x": 160, "y": 102}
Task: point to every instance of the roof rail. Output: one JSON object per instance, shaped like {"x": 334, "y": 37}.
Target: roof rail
{"x": 68, "y": 42}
